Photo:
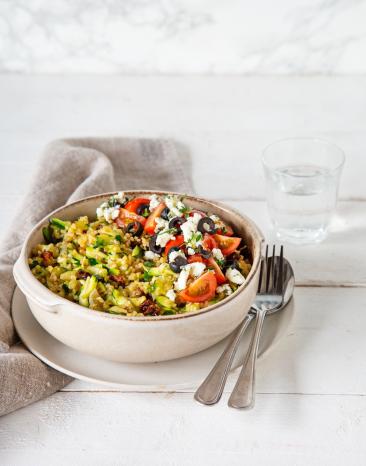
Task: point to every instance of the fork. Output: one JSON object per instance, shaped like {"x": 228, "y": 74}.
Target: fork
{"x": 269, "y": 299}
{"x": 211, "y": 389}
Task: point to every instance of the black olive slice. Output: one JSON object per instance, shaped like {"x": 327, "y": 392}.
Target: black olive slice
{"x": 176, "y": 222}
{"x": 174, "y": 248}
{"x": 205, "y": 253}
{"x": 154, "y": 247}
{"x": 178, "y": 263}
{"x": 165, "y": 213}
{"x": 230, "y": 264}
{"x": 135, "y": 228}
{"x": 206, "y": 225}
{"x": 143, "y": 210}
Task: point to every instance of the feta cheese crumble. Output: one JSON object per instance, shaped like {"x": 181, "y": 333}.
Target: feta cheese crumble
{"x": 191, "y": 251}
{"x": 154, "y": 202}
{"x": 175, "y": 206}
{"x": 149, "y": 255}
{"x": 189, "y": 228}
{"x": 120, "y": 197}
{"x": 171, "y": 295}
{"x": 217, "y": 221}
{"x": 174, "y": 254}
{"x": 109, "y": 213}
{"x": 194, "y": 269}
{"x": 235, "y": 276}
{"x": 110, "y": 209}
{"x": 161, "y": 224}
{"x": 181, "y": 282}
{"x": 217, "y": 254}
{"x": 164, "y": 234}
{"x": 224, "y": 289}
{"x": 163, "y": 237}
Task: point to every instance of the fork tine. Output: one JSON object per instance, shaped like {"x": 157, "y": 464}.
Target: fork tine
{"x": 275, "y": 273}
{"x": 280, "y": 272}
{"x": 263, "y": 277}
{"x": 268, "y": 270}
{"x": 273, "y": 270}
{"x": 260, "y": 276}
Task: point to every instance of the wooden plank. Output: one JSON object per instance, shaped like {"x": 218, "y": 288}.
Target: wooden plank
{"x": 213, "y": 176}
{"x": 338, "y": 261}
{"x": 171, "y": 429}
{"x": 217, "y": 119}
{"x": 322, "y": 353}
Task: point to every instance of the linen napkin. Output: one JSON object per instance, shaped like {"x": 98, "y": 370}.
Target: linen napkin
{"x": 68, "y": 170}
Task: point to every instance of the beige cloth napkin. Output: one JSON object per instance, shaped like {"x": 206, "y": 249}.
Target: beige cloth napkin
{"x": 69, "y": 170}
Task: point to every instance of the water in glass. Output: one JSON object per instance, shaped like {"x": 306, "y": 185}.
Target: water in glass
{"x": 301, "y": 199}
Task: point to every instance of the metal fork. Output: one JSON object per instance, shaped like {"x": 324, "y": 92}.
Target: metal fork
{"x": 269, "y": 299}
{"x": 211, "y": 389}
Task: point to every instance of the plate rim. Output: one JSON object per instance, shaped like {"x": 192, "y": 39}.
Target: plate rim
{"x": 123, "y": 386}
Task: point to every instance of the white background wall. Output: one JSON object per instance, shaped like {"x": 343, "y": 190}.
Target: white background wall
{"x": 183, "y": 36}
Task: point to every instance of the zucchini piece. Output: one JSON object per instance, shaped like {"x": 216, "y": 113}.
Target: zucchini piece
{"x": 189, "y": 307}
{"x": 155, "y": 272}
{"x": 165, "y": 303}
{"x": 146, "y": 276}
{"x": 148, "y": 264}
{"x": 117, "y": 310}
{"x": 122, "y": 301}
{"x": 138, "y": 301}
{"x": 136, "y": 252}
{"x": 103, "y": 240}
{"x": 89, "y": 285}
{"x": 97, "y": 270}
{"x": 95, "y": 253}
{"x": 56, "y": 222}
{"x": 47, "y": 235}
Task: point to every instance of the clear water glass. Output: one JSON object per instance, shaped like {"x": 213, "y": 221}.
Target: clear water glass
{"x": 302, "y": 180}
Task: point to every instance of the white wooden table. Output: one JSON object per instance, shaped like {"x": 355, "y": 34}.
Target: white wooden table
{"x": 311, "y": 403}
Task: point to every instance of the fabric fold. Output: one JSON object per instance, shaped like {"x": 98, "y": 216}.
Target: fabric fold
{"x": 68, "y": 170}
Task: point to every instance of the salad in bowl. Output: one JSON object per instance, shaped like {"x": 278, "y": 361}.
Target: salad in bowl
{"x": 142, "y": 255}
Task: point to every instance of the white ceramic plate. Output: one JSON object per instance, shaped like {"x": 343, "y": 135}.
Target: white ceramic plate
{"x": 176, "y": 374}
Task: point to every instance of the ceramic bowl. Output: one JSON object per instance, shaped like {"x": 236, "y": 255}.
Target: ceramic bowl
{"x": 138, "y": 339}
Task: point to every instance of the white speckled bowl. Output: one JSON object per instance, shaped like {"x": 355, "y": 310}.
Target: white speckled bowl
{"x": 138, "y": 339}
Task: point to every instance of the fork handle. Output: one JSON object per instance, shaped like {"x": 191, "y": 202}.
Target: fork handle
{"x": 210, "y": 391}
{"x": 243, "y": 395}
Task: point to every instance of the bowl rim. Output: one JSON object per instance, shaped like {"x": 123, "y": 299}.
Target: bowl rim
{"x": 253, "y": 231}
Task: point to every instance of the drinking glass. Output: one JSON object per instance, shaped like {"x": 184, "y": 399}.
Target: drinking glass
{"x": 302, "y": 179}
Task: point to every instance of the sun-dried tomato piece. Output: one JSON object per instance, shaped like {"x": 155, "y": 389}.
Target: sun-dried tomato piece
{"x": 83, "y": 275}
{"x": 47, "y": 257}
{"x": 118, "y": 279}
{"x": 148, "y": 307}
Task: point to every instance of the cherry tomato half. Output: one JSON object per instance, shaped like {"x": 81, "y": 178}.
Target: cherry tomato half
{"x": 195, "y": 258}
{"x": 125, "y": 216}
{"x": 209, "y": 242}
{"x": 220, "y": 277}
{"x": 226, "y": 230}
{"x": 150, "y": 222}
{"x": 177, "y": 242}
{"x": 134, "y": 204}
{"x": 202, "y": 289}
{"x": 227, "y": 244}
